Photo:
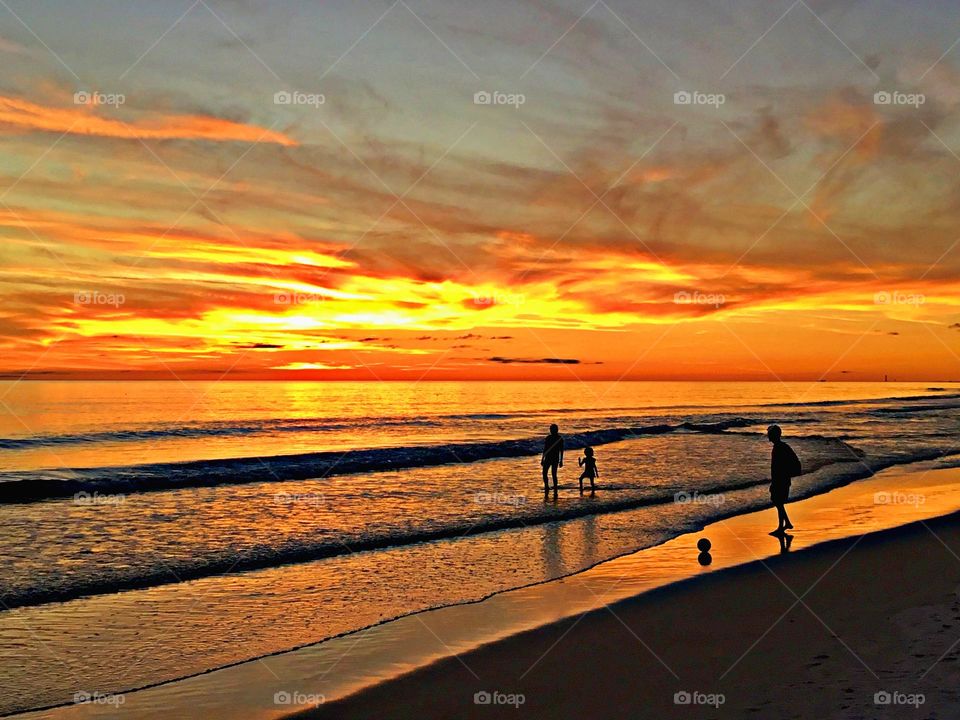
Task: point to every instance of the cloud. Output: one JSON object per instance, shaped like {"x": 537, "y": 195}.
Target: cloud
{"x": 80, "y": 120}
{"x": 500, "y": 215}
{"x": 14, "y": 48}
{"x": 468, "y": 336}
{"x": 537, "y": 361}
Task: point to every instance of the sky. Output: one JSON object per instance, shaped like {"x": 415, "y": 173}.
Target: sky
{"x": 417, "y": 189}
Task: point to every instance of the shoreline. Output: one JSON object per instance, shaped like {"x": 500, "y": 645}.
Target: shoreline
{"x": 754, "y": 638}
{"x": 380, "y": 660}
{"x": 849, "y": 472}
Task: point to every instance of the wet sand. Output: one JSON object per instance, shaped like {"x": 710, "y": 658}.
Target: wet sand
{"x": 815, "y": 633}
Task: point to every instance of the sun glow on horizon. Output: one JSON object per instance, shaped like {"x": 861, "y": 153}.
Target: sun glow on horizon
{"x": 193, "y": 216}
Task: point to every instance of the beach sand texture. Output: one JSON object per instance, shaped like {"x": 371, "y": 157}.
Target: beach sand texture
{"x": 811, "y": 634}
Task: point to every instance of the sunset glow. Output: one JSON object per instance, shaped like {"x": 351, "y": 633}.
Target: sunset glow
{"x": 309, "y": 205}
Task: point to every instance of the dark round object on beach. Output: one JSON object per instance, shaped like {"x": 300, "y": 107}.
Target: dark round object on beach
{"x": 704, "y": 558}
{"x": 703, "y": 545}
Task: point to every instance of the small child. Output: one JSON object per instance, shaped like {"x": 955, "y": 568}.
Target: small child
{"x": 589, "y": 464}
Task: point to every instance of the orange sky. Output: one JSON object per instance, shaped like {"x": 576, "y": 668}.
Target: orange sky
{"x": 177, "y": 221}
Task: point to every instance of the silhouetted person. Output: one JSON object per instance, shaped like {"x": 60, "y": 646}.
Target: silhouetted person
{"x": 552, "y": 457}
{"x": 589, "y": 464}
{"x": 784, "y": 465}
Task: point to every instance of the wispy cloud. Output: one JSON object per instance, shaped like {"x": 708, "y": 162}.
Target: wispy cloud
{"x": 81, "y": 120}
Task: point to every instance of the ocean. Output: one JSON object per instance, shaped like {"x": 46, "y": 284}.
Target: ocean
{"x": 155, "y": 530}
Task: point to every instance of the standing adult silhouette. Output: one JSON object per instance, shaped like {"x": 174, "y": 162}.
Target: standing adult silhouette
{"x": 784, "y": 465}
{"x": 552, "y": 456}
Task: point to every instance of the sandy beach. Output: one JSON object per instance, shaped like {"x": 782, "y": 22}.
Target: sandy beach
{"x": 811, "y": 634}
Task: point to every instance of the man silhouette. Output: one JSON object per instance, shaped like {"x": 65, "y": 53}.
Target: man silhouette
{"x": 552, "y": 456}
{"x": 784, "y": 465}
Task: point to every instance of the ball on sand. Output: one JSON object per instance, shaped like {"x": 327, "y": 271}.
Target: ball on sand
{"x": 703, "y": 545}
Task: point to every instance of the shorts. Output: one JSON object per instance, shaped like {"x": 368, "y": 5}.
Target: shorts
{"x": 779, "y": 491}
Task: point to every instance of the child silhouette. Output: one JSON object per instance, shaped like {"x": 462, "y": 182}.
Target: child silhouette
{"x": 589, "y": 464}
{"x": 784, "y": 465}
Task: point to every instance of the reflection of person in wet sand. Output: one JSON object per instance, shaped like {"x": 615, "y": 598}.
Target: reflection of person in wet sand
{"x": 552, "y": 456}
{"x": 784, "y": 465}
{"x": 551, "y": 553}
{"x": 786, "y": 540}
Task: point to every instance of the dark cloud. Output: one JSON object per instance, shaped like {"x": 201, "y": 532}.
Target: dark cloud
{"x": 537, "y": 361}
{"x": 19, "y": 375}
{"x": 468, "y": 336}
